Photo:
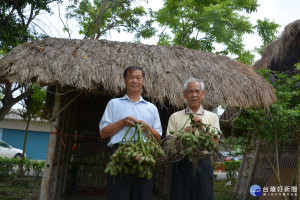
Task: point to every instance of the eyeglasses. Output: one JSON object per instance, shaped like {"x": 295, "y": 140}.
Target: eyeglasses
{"x": 194, "y": 91}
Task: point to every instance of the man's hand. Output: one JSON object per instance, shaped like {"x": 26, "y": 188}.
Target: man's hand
{"x": 113, "y": 128}
{"x": 187, "y": 129}
{"x": 130, "y": 121}
{"x": 198, "y": 122}
{"x": 145, "y": 127}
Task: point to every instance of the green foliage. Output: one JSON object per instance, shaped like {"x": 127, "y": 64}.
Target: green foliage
{"x": 282, "y": 118}
{"x": 1, "y": 95}
{"x": 198, "y": 24}
{"x": 235, "y": 144}
{"x": 17, "y": 26}
{"x": 9, "y": 167}
{"x": 201, "y": 24}
{"x": 34, "y": 103}
{"x": 97, "y": 18}
{"x": 231, "y": 168}
{"x": 15, "y": 20}
{"x": 267, "y": 30}
{"x": 223, "y": 191}
{"x": 218, "y": 166}
{"x": 37, "y": 167}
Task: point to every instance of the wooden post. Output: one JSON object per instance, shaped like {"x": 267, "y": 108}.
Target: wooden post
{"x": 298, "y": 162}
{"x": 240, "y": 176}
{"x": 46, "y": 184}
{"x": 251, "y": 174}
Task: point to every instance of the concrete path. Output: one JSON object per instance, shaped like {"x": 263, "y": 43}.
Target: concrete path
{"x": 220, "y": 175}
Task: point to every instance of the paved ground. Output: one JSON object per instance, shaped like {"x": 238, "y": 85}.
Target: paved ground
{"x": 220, "y": 175}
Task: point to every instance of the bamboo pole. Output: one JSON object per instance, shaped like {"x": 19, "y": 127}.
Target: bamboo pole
{"x": 46, "y": 184}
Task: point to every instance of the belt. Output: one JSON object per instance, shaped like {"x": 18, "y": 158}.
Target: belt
{"x": 114, "y": 147}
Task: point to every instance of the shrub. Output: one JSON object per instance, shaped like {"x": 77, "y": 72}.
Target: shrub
{"x": 219, "y": 166}
{"x": 10, "y": 167}
{"x": 231, "y": 168}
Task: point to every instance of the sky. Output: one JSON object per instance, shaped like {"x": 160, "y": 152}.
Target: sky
{"x": 281, "y": 12}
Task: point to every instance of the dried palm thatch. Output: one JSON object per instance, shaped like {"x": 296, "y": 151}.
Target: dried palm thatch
{"x": 94, "y": 65}
{"x": 283, "y": 53}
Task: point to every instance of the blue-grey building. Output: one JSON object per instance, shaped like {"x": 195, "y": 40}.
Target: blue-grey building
{"x": 12, "y": 131}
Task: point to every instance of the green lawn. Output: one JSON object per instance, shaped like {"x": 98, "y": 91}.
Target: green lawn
{"x": 16, "y": 189}
{"x": 29, "y": 188}
{"x": 222, "y": 191}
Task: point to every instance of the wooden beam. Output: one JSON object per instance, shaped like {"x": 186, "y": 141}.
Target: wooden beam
{"x": 63, "y": 108}
{"x": 46, "y": 184}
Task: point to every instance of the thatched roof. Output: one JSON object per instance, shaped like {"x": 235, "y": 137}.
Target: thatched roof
{"x": 92, "y": 65}
{"x": 283, "y": 53}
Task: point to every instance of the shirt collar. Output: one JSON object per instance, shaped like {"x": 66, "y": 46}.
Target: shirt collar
{"x": 141, "y": 99}
{"x": 199, "y": 112}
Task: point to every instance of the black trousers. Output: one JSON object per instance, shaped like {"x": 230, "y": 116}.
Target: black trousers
{"x": 192, "y": 184}
{"x": 125, "y": 187}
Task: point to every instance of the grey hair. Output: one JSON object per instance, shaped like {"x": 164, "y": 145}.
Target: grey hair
{"x": 192, "y": 79}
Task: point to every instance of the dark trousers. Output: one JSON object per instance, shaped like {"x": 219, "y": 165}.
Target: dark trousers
{"x": 128, "y": 187}
{"x": 125, "y": 187}
{"x": 192, "y": 184}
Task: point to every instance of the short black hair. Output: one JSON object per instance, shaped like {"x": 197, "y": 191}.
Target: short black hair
{"x": 131, "y": 69}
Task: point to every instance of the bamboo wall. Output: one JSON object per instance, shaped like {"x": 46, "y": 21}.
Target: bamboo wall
{"x": 79, "y": 166}
{"x": 88, "y": 154}
{"x": 255, "y": 169}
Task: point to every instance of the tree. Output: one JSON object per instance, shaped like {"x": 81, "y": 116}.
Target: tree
{"x": 33, "y": 106}
{"x": 279, "y": 125}
{"x": 267, "y": 30}
{"x": 99, "y": 17}
{"x": 16, "y": 16}
{"x": 17, "y": 26}
{"x": 282, "y": 117}
{"x": 199, "y": 24}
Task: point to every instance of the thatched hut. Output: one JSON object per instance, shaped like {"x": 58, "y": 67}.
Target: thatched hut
{"x": 283, "y": 53}
{"x": 83, "y": 75}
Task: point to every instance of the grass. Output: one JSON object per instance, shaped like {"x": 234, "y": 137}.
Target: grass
{"x": 19, "y": 188}
{"x": 223, "y": 191}
{"x": 29, "y": 189}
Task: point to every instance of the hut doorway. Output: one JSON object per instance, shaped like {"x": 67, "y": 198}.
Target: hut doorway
{"x": 81, "y": 155}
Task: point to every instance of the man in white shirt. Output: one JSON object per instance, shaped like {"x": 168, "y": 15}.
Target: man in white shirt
{"x": 189, "y": 183}
{"x": 119, "y": 114}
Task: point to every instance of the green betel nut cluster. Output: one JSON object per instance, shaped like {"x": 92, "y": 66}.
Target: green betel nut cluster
{"x": 191, "y": 143}
{"x": 137, "y": 155}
